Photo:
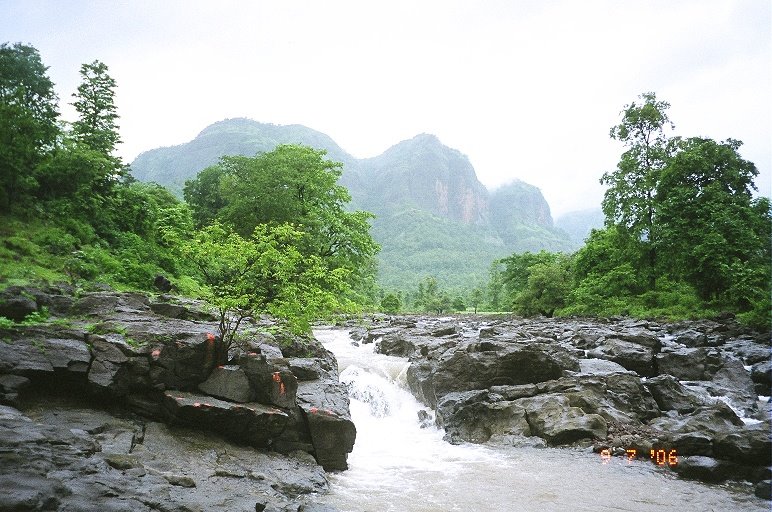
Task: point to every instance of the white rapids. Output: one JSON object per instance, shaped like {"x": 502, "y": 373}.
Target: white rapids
{"x": 397, "y": 465}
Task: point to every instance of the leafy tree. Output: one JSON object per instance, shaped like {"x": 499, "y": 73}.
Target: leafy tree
{"x": 629, "y": 201}
{"x": 291, "y": 184}
{"x": 391, "y": 303}
{"x": 546, "y": 289}
{"x": 476, "y": 298}
{"x": 458, "y": 304}
{"x": 96, "y": 126}
{"x": 709, "y": 227}
{"x": 28, "y": 120}
{"x": 264, "y": 273}
{"x": 203, "y": 195}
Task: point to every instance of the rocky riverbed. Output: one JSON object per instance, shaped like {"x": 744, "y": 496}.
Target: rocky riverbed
{"x": 697, "y": 392}
{"x": 116, "y": 405}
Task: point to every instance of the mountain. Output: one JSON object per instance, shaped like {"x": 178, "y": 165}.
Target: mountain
{"x": 578, "y": 224}
{"x": 172, "y": 166}
{"x": 433, "y": 216}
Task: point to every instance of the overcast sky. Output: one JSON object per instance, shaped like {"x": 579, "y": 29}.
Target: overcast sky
{"x": 526, "y": 89}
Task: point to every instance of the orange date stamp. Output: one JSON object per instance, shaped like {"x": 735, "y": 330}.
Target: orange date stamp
{"x": 660, "y": 457}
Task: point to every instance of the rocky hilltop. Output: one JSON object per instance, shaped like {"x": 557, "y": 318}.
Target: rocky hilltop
{"x": 116, "y": 405}
{"x": 689, "y": 392}
{"x": 433, "y": 216}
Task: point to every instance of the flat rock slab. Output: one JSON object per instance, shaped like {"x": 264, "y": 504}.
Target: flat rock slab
{"x": 250, "y": 423}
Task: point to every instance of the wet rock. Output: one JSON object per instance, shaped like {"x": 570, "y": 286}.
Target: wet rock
{"x": 305, "y": 368}
{"x": 750, "y": 445}
{"x": 473, "y": 417}
{"x": 671, "y": 395}
{"x": 325, "y": 405}
{"x": 96, "y": 304}
{"x": 761, "y": 375}
{"x": 24, "y": 491}
{"x": 39, "y": 351}
{"x": 229, "y": 383}
{"x": 600, "y": 367}
{"x": 715, "y": 421}
{"x": 270, "y": 383}
{"x": 395, "y": 344}
{"x": 692, "y": 443}
{"x": 733, "y": 382}
{"x": 11, "y": 386}
{"x": 684, "y": 363}
{"x": 16, "y": 304}
{"x": 253, "y": 424}
{"x": 632, "y": 356}
{"x": 551, "y": 417}
{"x": 170, "y": 310}
{"x": 705, "y": 469}
{"x": 763, "y": 490}
{"x": 515, "y": 364}
{"x": 619, "y": 397}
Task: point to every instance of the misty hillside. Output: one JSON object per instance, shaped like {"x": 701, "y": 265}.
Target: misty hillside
{"x": 578, "y": 224}
{"x": 433, "y": 216}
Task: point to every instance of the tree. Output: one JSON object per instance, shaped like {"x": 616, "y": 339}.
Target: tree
{"x": 547, "y": 288}
{"x": 203, "y": 195}
{"x": 630, "y": 199}
{"x": 28, "y": 120}
{"x": 95, "y": 103}
{"x": 476, "y": 298}
{"x": 708, "y": 225}
{"x": 291, "y": 184}
{"x": 264, "y": 273}
{"x": 391, "y": 303}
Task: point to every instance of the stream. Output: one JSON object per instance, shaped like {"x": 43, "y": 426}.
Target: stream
{"x": 397, "y": 465}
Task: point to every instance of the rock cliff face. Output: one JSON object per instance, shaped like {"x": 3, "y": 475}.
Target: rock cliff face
{"x": 424, "y": 174}
{"x": 688, "y": 390}
{"x": 108, "y": 391}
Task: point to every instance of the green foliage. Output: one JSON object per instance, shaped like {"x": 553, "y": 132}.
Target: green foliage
{"x": 96, "y": 125}
{"x": 291, "y": 184}
{"x": 28, "y": 121}
{"x": 265, "y": 273}
{"x": 391, "y": 303}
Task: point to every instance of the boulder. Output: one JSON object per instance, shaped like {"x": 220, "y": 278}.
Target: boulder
{"x": 750, "y": 445}
{"x": 618, "y": 397}
{"x": 395, "y": 344}
{"x": 182, "y": 362}
{"x": 705, "y": 469}
{"x": 715, "y": 420}
{"x": 671, "y": 395}
{"x": 551, "y": 417}
{"x": 271, "y": 384}
{"x": 684, "y": 363}
{"x": 476, "y": 416}
{"x": 305, "y": 368}
{"x": 16, "y": 304}
{"x": 325, "y": 405}
{"x": 731, "y": 381}
{"x": 228, "y": 383}
{"x": 633, "y": 356}
{"x": 761, "y": 375}
{"x": 252, "y": 423}
{"x": 595, "y": 366}
{"x": 515, "y": 363}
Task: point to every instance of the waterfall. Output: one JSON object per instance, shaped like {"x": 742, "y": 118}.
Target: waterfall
{"x": 401, "y": 463}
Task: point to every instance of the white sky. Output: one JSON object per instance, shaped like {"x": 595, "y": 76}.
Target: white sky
{"x": 526, "y": 89}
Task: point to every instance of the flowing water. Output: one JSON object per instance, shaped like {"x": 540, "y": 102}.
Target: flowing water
{"x": 398, "y": 466}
